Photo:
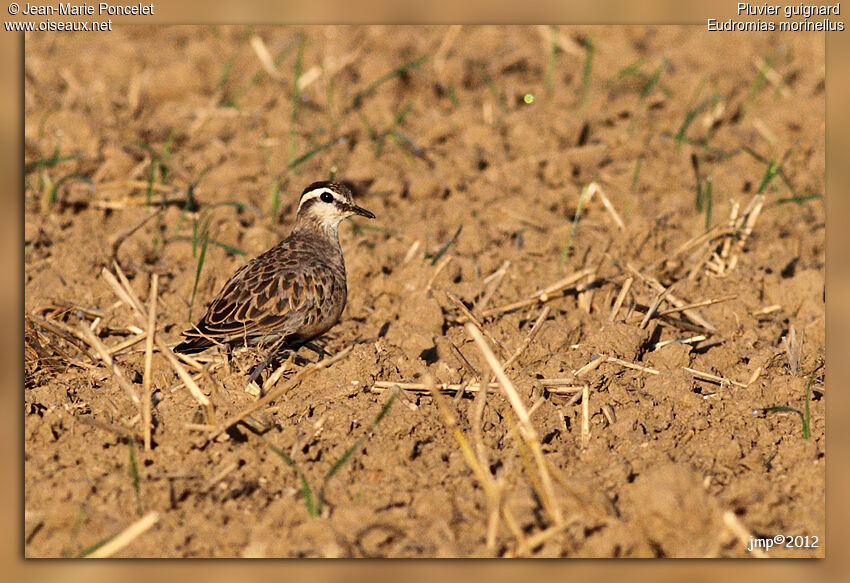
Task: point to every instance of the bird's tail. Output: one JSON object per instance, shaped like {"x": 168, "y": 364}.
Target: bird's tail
{"x": 193, "y": 345}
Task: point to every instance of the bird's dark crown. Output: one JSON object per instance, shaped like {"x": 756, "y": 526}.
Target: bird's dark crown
{"x": 336, "y": 187}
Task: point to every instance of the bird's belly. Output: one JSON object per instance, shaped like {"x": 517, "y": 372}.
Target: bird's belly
{"x": 320, "y": 322}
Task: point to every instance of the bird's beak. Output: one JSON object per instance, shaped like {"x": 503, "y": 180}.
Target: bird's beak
{"x": 359, "y": 210}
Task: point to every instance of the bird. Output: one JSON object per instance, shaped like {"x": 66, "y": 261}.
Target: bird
{"x": 290, "y": 294}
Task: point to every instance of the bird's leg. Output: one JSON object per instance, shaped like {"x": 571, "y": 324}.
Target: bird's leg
{"x": 271, "y": 357}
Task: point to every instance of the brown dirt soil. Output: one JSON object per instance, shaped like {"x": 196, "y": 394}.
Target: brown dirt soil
{"x": 668, "y": 464}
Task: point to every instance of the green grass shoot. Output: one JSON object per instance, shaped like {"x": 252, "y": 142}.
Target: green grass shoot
{"x": 691, "y": 115}
{"x": 50, "y": 162}
{"x": 774, "y": 169}
{"x": 54, "y": 187}
{"x": 158, "y": 164}
{"x": 551, "y": 60}
{"x": 806, "y": 414}
{"x": 586, "y": 71}
{"x": 296, "y": 98}
{"x": 304, "y": 157}
{"x": 315, "y": 502}
{"x": 652, "y": 81}
{"x": 704, "y": 200}
{"x": 445, "y": 247}
{"x": 92, "y": 548}
{"x": 134, "y": 475}
{"x": 397, "y": 72}
{"x": 755, "y": 87}
{"x": 636, "y": 174}
{"x": 223, "y": 78}
{"x": 569, "y": 242}
{"x": 200, "y": 237}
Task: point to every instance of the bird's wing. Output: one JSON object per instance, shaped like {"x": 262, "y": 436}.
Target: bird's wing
{"x": 278, "y": 292}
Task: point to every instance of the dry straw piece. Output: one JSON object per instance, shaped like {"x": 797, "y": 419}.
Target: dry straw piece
{"x": 527, "y": 431}
{"x": 127, "y": 536}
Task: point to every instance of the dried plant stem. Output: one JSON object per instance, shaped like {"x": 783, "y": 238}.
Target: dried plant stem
{"x": 117, "y": 240}
{"x": 621, "y": 297}
{"x": 590, "y": 366}
{"x": 714, "y": 232}
{"x": 188, "y": 381}
{"x": 560, "y": 285}
{"x": 653, "y": 307}
{"x": 585, "y": 414}
{"x": 627, "y": 364}
{"x": 146, "y": 378}
{"x": 793, "y": 348}
{"x": 564, "y": 42}
{"x": 127, "y": 536}
{"x": 125, "y": 292}
{"x": 271, "y": 396}
{"x": 733, "y": 219}
{"x": 544, "y": 313}
{"x": 477, "y": 423}
{"x": 103, "y": 352}
{"x": 685, "y": 307}
{"x": 527, "y": 431}
{"x": 734, "y": 524}
{"x": 464, "y": 362}
{"x": 492, "y": 283}
{"x": 127, "y": 343}
{"x": 484, "y": 477}
{"x": 710, "y": 377}
{"x": 539, "y": 538}
{"x": 411, "y": 251}
{"x": 542, "y": 296}
{"x": 470, "y": 317}
{"x": 440, "y": 266}
{"x": 447, "y": 388}
{"x": 655, "y": 284}
{"x": 594, "y": 363}
{"x": 70, "y": 335}
{"x": 690, "y": 340}
{"x": 609, "y": 207}
{"x": 443, "y": 49}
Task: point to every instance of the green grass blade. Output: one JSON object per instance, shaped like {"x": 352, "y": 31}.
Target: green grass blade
{"x": 397, "y": 72}
{"x": 569, "y": 242}
{"x": 807, "y": 413}
{"x": 222, "y": 81}
{"x": 799, "y": 199}
{"x": 304, "y": 157}
{"x": 586, "y": 71}
{"x": 445, "y": 247}
{"x": 551, "y": 60}
{"x": 92, "y": 548}
{"x": 653, "y": 79}
{"x": 790, "y": 410}
{"x": 769, "y": 174}
{"x": 690, "y": 116}
{"x": 351, "y": 450}
{"x": 205, "y": 239}
{"x": 134, "y": 475}
{"x": 55, "y": 187}
{"x": 309, "y": 501}
{"x": 707, "y": 202}
{"x": 296, "y": 98}
{"x": 636, "y": 174}
{"x": 50, "y": 162}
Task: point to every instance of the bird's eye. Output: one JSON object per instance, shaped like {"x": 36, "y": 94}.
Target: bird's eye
{"x": 327, "y": 197}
